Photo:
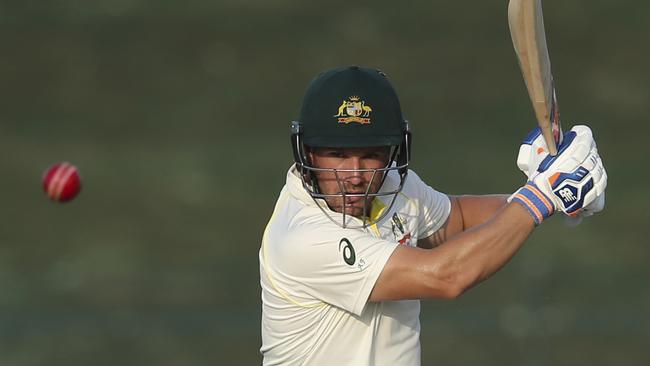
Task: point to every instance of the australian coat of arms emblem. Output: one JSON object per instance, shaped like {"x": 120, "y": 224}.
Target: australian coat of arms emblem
{"x": 354, "y": 109}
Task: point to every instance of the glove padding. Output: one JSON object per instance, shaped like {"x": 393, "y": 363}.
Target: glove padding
{"x": 573, "y": 181}
{"x": 531, "y": 152}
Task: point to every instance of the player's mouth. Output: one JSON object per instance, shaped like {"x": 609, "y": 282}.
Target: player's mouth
{"x": 351, "y": 200}
{"x": 354, "y": 205}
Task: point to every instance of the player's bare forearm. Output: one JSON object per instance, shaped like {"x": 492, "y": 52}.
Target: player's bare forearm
{"x": 466, "y": 212}
{"x": 464, "y": 261}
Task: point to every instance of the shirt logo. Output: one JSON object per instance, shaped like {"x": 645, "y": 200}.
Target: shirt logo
{"x": 398, "y": 225}
{"x": 405, "y": 239}
{"x": 354, "y": 109}
{"x": 348, "y": 252}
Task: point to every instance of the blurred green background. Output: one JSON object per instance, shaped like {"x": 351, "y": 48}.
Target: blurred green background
{"x": 177, "y": 114}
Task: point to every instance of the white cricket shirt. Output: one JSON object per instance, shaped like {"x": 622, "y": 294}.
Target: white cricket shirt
{"x": 316, "y": 278}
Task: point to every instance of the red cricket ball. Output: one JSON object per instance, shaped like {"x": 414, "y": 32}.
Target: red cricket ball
{"x": 61, "y": 182}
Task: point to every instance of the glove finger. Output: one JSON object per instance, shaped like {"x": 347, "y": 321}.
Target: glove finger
{"x": 591, "y": 162}
{"x": 597, "y": 205}
{"x": 589, "y": 199}
{"x": 583, "y": 131}
{"x": 595, "y": 166}
{"x": 531, "y": 152}
{"x": 599, "y": 175}
{"x": 575, "y": 155}
{"x": 594, "y": 199}
{"x": 574, "y": 150}
{"x": 524, "y": 157}
{"x": 601, "y": 185}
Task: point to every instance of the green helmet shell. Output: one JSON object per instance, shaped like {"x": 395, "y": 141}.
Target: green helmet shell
{"x": 351, "y": 106}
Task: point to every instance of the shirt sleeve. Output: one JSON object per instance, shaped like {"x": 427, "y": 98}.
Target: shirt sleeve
{"x": 434, "y": 207}
{"x": 333, "y": 265}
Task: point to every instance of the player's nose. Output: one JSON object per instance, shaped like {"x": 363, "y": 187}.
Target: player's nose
{"x": 354, "y": 162}
{"x": 354, "y": 178}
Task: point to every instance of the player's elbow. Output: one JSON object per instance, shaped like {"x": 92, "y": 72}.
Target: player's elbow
{"x": 451, "y": 291}
{"x": 452, "y": 285}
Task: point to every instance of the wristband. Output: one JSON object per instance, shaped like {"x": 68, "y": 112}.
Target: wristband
{"x": 536, "y": 202}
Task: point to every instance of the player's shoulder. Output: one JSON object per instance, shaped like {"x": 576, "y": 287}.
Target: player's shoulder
{"x": 413, "y": 179}
{"x": 413, "y": 184}
{"x": 311, "y": 227}
{"x": 304, "y": 228}
{"x": 306, "y": 243}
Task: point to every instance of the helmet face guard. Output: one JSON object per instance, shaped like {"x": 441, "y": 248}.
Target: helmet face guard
{"x": 398, "y": 161}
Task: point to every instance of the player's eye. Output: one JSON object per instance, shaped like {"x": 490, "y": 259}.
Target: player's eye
{"x": 334, "y": 154}
{"x": 376, "y": 155}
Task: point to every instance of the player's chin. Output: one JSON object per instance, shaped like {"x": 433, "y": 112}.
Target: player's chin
{"x": 356, "y": 209}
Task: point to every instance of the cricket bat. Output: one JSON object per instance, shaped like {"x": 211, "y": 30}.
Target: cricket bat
{"x": 529, "y": 39}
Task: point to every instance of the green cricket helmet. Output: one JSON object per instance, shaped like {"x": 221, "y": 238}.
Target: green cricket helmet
{"x": 351, "y": 106}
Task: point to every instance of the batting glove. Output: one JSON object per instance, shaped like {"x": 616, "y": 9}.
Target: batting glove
{"x": 573, "y": 181}
{"x": 531, "y": 152}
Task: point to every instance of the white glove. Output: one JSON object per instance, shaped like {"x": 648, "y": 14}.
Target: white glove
{"x": 573, "y": 181}
{"x": 531, "y": 152}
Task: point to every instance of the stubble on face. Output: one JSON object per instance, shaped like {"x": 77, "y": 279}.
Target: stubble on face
{"x": 355, "y": 184}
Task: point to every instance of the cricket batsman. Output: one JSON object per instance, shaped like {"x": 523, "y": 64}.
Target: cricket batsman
{"x": 357, "y": 238}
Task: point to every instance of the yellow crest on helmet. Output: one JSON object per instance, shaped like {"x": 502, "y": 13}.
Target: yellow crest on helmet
{"x": 354, "y": 109}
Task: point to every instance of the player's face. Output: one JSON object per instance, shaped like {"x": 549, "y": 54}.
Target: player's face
{"x": 349, "y": 182}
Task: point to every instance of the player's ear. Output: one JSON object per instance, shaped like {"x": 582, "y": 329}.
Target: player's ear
{"x": 309, "y": 156}
{"x": 404, "y": 153}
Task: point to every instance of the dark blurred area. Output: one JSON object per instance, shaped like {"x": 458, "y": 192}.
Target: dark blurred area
{"x": 177, "y": 115}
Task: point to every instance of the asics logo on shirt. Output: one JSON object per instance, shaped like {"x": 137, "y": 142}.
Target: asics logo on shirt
{"x": 348, "y": 252}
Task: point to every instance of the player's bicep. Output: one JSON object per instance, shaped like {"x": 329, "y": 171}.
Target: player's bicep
{"x": 466, "y": 212}
{"x": 451, "y": 227}
{"x": 415, "y": 267}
